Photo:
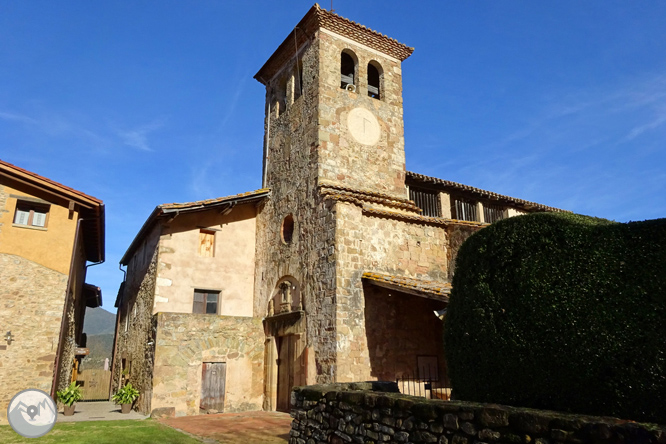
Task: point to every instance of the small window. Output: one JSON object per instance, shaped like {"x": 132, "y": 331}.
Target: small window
{"x": 206, "y": 243}
{"x": 463, "y": 209}
{"x": 287, "y": 232}
{"x": 31, "y": 215}
{"x": 347, "y": 71}
{"x": 374, "y": 80}
{"x": 205, "y": 302}
{"x": 298, "y": 81}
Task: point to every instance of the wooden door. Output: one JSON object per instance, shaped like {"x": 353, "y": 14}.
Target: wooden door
{"x": 213, "y": 377}
{"x": 286, "y": 350}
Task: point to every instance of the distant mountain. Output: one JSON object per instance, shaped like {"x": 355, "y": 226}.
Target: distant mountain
{"x": 99, "y": 322}
{"x": 101, "y": 347}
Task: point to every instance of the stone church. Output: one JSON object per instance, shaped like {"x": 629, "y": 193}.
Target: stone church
{"x": 331, "y": 272}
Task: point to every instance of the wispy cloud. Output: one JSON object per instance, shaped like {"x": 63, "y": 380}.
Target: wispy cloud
{"x": 54, "y": 124}
{"x": 640, "y": 129}
{"x": 4, "y": 115}
{"x": 138, "y": 137}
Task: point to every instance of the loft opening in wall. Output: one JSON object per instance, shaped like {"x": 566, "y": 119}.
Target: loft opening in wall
{"x": 375, "y": 74}
{"x": 348, "y": 70}
{"x": 206, "y": 243}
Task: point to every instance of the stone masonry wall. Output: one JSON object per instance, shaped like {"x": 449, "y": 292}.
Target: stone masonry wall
{"x": 292, "y": 139}
{"x": 32, "y": 299}
{"x": 136, "y": 328}
{"x": 382, "y": 245}
{"x": 185, "y": 341}
{"x": 362, "y": 413}
{"x": 380, "y": 166}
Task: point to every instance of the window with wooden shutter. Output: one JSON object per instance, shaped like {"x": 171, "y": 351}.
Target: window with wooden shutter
{"x": 206, "y": 243}
{"x": 31, "y": 215}
{"x": 205, "y": 302}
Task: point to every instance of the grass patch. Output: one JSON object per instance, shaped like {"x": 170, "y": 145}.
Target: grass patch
{"x": 102, "y": 432}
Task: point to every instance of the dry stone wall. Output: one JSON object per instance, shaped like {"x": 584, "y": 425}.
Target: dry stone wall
{"x": 185, "y": 341}
{"x": 375, "y": 413}
{"x": 32, "y": 307}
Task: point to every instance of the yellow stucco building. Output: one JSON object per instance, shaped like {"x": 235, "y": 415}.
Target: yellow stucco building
{"x": 48, "y": 232}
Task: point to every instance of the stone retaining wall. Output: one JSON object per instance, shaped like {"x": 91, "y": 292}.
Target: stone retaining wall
{"x": 372, "y": 412}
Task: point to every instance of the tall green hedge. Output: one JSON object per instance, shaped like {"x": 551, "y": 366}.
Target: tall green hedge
{"x": 562, "y": 312}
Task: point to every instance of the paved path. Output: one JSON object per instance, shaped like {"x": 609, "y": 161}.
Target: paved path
{"x": 236, "y": 428}
{"x": 98, "y": 411}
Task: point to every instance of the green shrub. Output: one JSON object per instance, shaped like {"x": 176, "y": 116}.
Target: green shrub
{"x": 70, "y": 395}
{"x": 562, "y": 312}
{"x": 126, "y": 395}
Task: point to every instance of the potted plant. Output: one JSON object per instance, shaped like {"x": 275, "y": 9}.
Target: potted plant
{"x": 69, "y": 396}
{"x": 126, "y": 396}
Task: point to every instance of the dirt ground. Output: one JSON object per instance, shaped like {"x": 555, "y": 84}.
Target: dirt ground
{"x": 236, "y": 428}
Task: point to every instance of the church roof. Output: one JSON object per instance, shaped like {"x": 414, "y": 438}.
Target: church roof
{"x": 419, "y": 287}
{"x": 449, "y": 186}
{"x": 317, "y": 18}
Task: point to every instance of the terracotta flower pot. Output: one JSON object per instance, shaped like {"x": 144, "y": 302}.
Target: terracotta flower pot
{"x": 125, "y": 408}
{"x": 69, "y": 410}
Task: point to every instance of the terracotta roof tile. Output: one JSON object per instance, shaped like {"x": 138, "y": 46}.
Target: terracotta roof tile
{"x": 317, "y": 18}
{"x": 422, "y": 219}
{"x": 208, "y": 202}
{"x": 448, "y": 185}
{"x": 428, "y": 288}
{"x": 162, "y": 211}
{"x": 358, "y": 195}
{"x": 363, "y": 34}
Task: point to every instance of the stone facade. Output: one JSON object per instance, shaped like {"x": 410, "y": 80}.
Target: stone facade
{"x": 185, "y": 341}
{"x": 374, "y": 413}
{"x": 165, "y": 267}
{"x": 135, "y": 328}
{"x": 32, "y": 306}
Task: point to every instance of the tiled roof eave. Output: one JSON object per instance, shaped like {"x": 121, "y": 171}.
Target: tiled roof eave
{"x": 419, "y": 287}
{"x": 317, "y": 18}
{"x": 422, "y": 219}
{"x": 164, "y": 210}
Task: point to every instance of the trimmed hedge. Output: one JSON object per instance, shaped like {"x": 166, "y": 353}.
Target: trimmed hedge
{"x": 563, "y": 312}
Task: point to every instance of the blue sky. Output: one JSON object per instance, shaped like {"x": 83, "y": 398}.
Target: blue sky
{"x": 146, "y": 102}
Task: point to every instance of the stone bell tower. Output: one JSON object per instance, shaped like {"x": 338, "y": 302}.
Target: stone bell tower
{"x": 348, "y": 79}
{"x": 333, "y": 126}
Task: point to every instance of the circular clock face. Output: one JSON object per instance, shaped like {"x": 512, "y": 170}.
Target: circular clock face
{"x": 363, "y": 126}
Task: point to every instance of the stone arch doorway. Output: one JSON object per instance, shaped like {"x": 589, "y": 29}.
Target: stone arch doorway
{"x": 285, "y": 360}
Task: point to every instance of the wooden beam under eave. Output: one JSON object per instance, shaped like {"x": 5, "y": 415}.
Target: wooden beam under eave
{"x": 62, "y": 195}
{"x": 411, "y": 291}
